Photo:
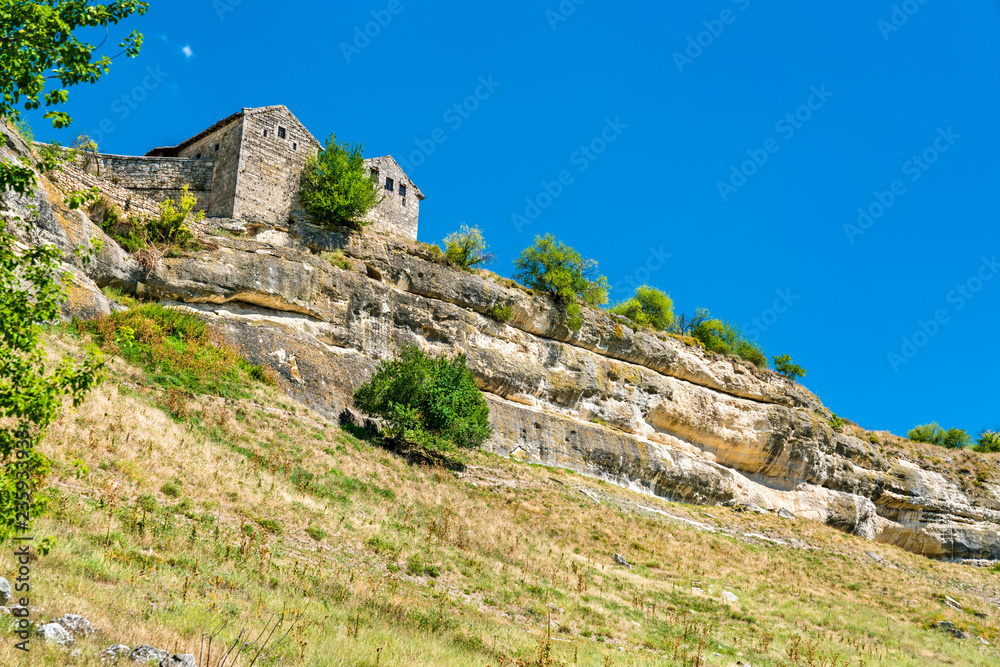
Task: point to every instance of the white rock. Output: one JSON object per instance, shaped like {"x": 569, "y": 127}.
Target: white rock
{"x": 729, "y": 597}
{"x": 56, "y": 634}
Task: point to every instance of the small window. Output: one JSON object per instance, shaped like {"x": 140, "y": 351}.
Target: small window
{"x": 295, "y": 146}
{"x": 374, "y": 175}
{"x": 402, "y": 191}
{"x": 389, "y": 185}
{"x": 404, "y": 202}
{"x": 265, "y": 133}
{"x": 216, "y": 148}
{"x": 198, "y": 156}
{"x": 281, "y": 132}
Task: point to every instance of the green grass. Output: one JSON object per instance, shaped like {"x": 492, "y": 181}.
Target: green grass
{"x": 388, "y": 561}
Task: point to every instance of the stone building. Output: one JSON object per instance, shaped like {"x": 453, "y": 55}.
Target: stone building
{"x": 248, "y": 167}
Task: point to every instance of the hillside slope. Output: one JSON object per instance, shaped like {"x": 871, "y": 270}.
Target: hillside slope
{"x": 648, "y": 412}
{"x": 176, "y": 512}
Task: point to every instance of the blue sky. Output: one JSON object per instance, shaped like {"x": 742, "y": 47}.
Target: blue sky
{"x": 645, "y": 112}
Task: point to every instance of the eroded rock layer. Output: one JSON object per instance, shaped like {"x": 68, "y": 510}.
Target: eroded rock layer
{"x": 647, "y": 412}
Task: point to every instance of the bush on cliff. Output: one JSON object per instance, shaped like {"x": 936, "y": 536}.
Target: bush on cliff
{"x": 933, "y": 434}
{"x": 337, "y": 190}
{"x": 648, "y": 307}
{"x": 558, "y": 270}
{"x": 725, "y": 338}
{"x": 466, "y": 248}
{"x": 988, "y": 443}
{"x": 429, "y": 401}
{"x": 784, "y": 365}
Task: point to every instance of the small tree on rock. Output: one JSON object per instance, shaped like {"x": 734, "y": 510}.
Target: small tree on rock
{"x": 647, "y": 307}
{"x": 466, "y": 248}
{"x": 558, "y": 270}
{"x": 783, "y": 364}
{"x": 337, "y": 190}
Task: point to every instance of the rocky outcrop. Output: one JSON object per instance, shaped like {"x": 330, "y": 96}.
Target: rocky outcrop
{"x": 647, "y": 412}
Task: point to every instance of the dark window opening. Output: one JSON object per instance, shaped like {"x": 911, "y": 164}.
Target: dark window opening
{"x": 265, "y": 133}
{"x": 295, "y": 146}
{"x": 404, "y": 201}
{"x": 216, "y": 148}
{"x": 402, "y": 191}
{"x": 198, "y": 156}
{"x": 281, "y": 133}
{"x": 389, "y": 185}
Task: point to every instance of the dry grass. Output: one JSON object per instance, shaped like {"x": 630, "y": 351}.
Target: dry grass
{"x": 422, "y": 565}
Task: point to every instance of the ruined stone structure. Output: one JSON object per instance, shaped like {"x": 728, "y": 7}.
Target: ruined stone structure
{"x": 248, "y": 167}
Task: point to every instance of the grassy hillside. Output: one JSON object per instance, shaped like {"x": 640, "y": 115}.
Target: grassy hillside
{"x": 177, "y": 511}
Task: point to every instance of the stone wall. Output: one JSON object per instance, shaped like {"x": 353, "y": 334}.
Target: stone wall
{"x": 222, "y": 146}
{"x": 72, "y": 179}
{"x": 270, "y": 168}
{"x": 399, "y": 211}
{"x": 160, "y": 178}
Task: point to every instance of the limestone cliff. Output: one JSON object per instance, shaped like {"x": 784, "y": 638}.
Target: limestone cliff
{"x": 651, "y": 413}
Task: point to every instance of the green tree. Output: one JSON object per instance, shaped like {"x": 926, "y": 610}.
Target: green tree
{"x": 337, "y": 190}
{"x": 38, "y": 45}
{"x": 430, "y": 401}
{"x": 933, "y": 434}
{"x": 558, "y": 270}
{"x": 725, "y": 338}
{"x": 783, "y": 364}
{"x": 988, "y": 442}
{"x": 647, "y": 307}
{"x": 466, "y": 248}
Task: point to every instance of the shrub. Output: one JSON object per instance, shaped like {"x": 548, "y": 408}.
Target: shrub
{"x": 430, "y": 401}
{"x": 130, "y": 232}
{"x": 558, "y": 270}
{"x": 466, "y": 248}
{"x": 784, "y": 366}
{"x": 337, "y": 190}
{"x": 499, "y": 313}
{"x": 171, "y": 227}
{"x": 724, "y": 338}
{"x": 170, "y": 490}
{"x": 316, "y": 533}
{"x": 648, "y": 307}
{"x": 988, "y": 442}
{"x": 270, "y": 525}
{"x": 337, "y": 259}
{"x": 836, "y": 423}
{"x": 953, "y": 438}
{"x": 685, "y": 325}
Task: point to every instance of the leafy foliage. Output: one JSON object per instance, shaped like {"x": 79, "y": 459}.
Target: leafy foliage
{"x": 953, "y": 438}
{"x": 836, "y": 423}
{"x": 37, "y": 45}
{"x": 725, "y": 338}
{"x": 501, "y": 314}
{"x": 466, "y": 248}
{"x": 133, "y": 234}
{"x": 430, "y": 401}
{"x": 558, "y": 270}
{"x": 783, "y": 364}
{"x": 337, "y": 190}
{"x": 648, "y": 307}
{"x": 172, "y": 227}
{"x": 988, "y": 442}
{"x": 31, "y": 397}
{"x": 685, "y": 325}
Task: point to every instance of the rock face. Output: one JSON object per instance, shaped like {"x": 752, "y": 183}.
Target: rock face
{"x": 650, "y": 413}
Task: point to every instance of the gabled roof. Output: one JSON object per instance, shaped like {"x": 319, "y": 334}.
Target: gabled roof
{"x": 420, "y": 194}
{"x": 173, "y": 151}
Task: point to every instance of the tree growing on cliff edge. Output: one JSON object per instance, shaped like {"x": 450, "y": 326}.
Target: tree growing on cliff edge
{"x": 647, "y": 307}
{"x": 558, "y": 270}
{"x": 466, "y": 248}
{"x": 337, "y": 190}
{"x": 933, "y": 434}
{"x": 37, "y": 45}
{"x": 429, "y": 401}
{"x": 783, "y": 364}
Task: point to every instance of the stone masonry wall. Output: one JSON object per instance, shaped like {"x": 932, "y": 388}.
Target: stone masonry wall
{"x": 222, "y": 146}
{"x": 72, "y": 179}
{"x": 270, "y": 170}
{"x": 157, "y": 178}
{"x": 397, "y": 215}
